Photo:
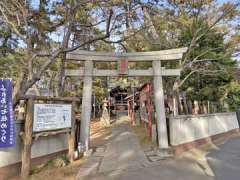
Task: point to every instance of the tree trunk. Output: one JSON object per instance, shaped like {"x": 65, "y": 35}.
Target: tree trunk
{"x": 27, "y": 141}
{"x": 63, "y": 59}
{"x": 196, "y": 107}
{"x": 205, "y": 110}
{"x": 181, "y": 108}
{"x": 208, "y": 107}
{"x": 151, "y": 31}
{"x": 185, "y": 105}
{"x": 61, "y": 79}
{"x": 128, "y": 10}
{"x": 18, "y": 88}
{"x": 189, "y": 104}
{"x": 29, "y": 57}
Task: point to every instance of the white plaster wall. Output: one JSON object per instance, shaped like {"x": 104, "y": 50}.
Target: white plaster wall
{"x": 187, "y": 128}
{"x": 43, "y": 146}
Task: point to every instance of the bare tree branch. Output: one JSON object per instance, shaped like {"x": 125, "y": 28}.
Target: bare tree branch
{"x": 10, "y": 23}
{"x": 198, "y": 36}
{"x": 107, "y": 34}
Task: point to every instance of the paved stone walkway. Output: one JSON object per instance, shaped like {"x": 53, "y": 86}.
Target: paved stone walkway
{"x": 124, "y": 150}
{"x": 122, "y": 158}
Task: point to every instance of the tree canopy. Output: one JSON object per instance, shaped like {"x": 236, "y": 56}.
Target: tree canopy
{"x": 35, "y": 36}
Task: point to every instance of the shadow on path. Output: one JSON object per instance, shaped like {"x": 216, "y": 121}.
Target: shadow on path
{"x": 123, "y": 151}
{"x": 122, "y": 158}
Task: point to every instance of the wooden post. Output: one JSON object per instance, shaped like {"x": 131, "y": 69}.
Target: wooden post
{"x": 185, "y": 106}
{"x": 159, "y": 105}
{"x": 71, "y": 136}
{"x": 86, "y": 104}
{"x": 27, "y": 141}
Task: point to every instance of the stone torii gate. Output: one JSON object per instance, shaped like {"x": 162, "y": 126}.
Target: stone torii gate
{"x": 157, "y": 71}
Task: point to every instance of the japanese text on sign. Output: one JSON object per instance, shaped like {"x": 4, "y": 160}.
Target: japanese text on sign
{"x": 7, "y": 129}
{"x": 51, "y": 116}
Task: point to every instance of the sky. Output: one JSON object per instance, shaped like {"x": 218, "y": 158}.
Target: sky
{"x": 35, "y": 3}
{"x": 223, "y": 1}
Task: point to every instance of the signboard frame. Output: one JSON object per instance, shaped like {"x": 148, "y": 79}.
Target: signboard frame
{"x": 28, "y": 136}
{"x": 52, "y": 129}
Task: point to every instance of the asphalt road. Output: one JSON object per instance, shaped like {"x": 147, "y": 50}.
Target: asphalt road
{"x": 122, "y": 158}
{"x": 225, "y": 161}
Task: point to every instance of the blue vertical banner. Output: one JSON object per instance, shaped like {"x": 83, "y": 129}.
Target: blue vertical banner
{"x": 7, "y": 125}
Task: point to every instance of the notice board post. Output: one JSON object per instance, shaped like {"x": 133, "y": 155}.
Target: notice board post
{"x": 71, "y": 136}
{"x": 34, "y": 125}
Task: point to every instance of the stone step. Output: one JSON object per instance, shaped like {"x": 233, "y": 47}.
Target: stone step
{"x": 159, "y": 154}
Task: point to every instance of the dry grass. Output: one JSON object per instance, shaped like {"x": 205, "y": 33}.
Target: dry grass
{"x": 59, "y": 173}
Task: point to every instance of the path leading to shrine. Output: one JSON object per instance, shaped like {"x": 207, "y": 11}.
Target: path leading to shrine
{"x": 122, "y": 158}
{"x": 123, "y": 151}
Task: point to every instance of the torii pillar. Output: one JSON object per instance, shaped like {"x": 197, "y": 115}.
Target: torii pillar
{"x": 86, "y": 105}
{"x": 159, "y": 105}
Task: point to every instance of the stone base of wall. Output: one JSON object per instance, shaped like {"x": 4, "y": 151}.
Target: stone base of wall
{"x": 12, "y": 170}
{"x": 177, "y": 150}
